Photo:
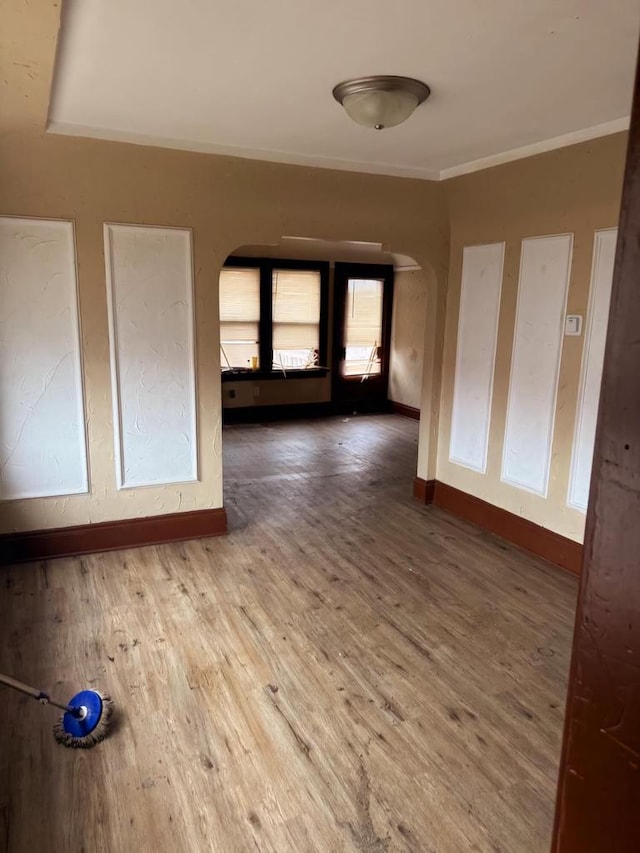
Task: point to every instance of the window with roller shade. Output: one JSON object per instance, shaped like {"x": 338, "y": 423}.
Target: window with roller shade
{"x": 295, "y": 319}
{"x": 239, "y": 318}
{"x": 363, "y": 327}
{"x": 361, "y": 349}
{"x": 273, "y": 317}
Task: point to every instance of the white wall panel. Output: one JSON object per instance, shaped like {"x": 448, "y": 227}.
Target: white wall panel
{"x": 476, "y": 354}
{"x": 542, "y": 294}
{"x": 42, "y": 433}
{"x": 150, "y": 295}
{"x": 604, "y": 250}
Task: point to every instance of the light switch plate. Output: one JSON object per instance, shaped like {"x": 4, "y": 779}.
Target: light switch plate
{"x": 573, "y": 324}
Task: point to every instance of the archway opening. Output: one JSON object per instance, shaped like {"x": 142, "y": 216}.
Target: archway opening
{"x": 330, "y": 375}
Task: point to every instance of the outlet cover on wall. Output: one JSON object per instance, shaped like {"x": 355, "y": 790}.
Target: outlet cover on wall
{"x": 573, "y": 324}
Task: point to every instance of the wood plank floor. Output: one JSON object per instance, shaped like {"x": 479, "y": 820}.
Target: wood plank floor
{"x": 346, "y": 671}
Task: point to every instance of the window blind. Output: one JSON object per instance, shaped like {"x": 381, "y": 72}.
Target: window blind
{"x": 239, "y": 317}
{"x": 296, "y": 318}
{"x": 363, "y": 327}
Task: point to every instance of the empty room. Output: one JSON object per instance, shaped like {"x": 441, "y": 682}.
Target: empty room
{"x": 319, "y": 426}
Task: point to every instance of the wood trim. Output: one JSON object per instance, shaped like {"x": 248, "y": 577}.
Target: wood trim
{"x": 423, "y": 490}
{"x": 246, "y": 375}
{"x": 598, "y": 782}
{"x": 285, "y": 411}
{"x": 407, "y": 411}
{"x": 350, "y": 391}
{"x": 293, "y": 411}
{"x": 514, "y": 528}
{"x": 111, "y": 535}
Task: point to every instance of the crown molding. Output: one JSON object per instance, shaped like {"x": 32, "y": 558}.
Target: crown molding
{"x": 544, "y": 145}
{"x": 387, "y": 169}
{"x": 284, "y": 157}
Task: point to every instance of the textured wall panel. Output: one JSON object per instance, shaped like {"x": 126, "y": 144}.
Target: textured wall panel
{"x": 150, "y": 295}
{"x": 604, "y": 250}
{"x": 542, "y": 293}
{"x": 42, "y": 434}
{"x": 476, "y": 354}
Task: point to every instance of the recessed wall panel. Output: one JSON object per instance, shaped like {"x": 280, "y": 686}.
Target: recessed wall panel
{"x": 42, "y": 432}
{"x": 475, "y": 355}
{"x": 542, "y": 293}
{"x": 150, "y": 296}
{"x": 604, "y": 251}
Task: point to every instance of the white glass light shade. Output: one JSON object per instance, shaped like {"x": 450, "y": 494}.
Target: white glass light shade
{"x": 380, "y": 101}
{"x": 380, "y": 109}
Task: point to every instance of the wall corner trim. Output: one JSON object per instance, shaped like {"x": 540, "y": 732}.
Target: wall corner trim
{"x": 21, "y": 547}
{"x": 423, "y": 490}
{"x": 520, "y": 531}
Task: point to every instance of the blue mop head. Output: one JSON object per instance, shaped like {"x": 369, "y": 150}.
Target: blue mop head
{"x": 88, "y": 724}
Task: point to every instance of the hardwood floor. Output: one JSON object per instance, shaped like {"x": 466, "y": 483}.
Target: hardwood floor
{"x": 347, "y": 670}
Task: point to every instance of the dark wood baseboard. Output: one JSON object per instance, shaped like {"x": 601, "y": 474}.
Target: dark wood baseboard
{"x": 423, "y": 490}
{"x": 261, "y": 414}
{"x": 379, "y": 406}
{"x": 111, "y": 535}
{"x": 293, "y": 411}
{"x": 520, "y": 531}
{"x": 407, "y": 411}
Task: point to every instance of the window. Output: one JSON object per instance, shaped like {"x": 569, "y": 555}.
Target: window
{"x": 363, "y": 300}
{"x": 296, "y": 318}
{"x": 273, "y": 317}
{"x": 363, "y": 327}
{"x": 239, "y": 318}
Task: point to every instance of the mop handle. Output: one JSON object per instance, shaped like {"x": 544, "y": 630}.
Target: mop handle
{"x": 37, "y": 694}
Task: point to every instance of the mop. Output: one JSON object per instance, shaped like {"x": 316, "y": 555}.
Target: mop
{"x": 85, "y": 721}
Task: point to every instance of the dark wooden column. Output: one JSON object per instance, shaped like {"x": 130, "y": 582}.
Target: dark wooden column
{"x": 598, "y": 805}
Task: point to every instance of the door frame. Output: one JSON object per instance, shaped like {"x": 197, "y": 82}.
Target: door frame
{"x": 347, "y": 393}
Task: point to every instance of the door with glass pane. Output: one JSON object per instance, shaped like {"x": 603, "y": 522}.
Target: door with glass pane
{"x": 363, "y": 296}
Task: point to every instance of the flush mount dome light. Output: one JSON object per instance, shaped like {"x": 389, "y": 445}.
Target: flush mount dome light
{"x": 382, "y": 101}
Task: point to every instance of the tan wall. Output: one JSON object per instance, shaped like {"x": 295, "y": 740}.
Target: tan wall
{"x": 275, "y": 392}
{"x": 576, "y": 190}
{"x": 228, "y": 202}
{"x": 225, "y": 202}
{"x": 410, "y": 294}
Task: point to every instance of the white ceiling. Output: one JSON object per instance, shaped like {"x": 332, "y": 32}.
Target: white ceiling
{"x": 253, "y": 78}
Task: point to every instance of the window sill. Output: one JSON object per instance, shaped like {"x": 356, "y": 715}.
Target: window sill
{"x": 241, "y": 375}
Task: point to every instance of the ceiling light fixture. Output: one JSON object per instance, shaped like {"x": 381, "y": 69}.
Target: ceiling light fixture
{"x": 381, "y": 101}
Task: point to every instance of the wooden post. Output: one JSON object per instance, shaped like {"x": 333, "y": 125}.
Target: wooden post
{"x": 598, "y": 805}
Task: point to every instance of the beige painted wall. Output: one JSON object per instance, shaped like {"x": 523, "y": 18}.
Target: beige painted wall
{"x": 408, "y": 332}
{"x": 275, "y": 392}
{"x": 228, "y": 202}
{"x": 576, "y": 190}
